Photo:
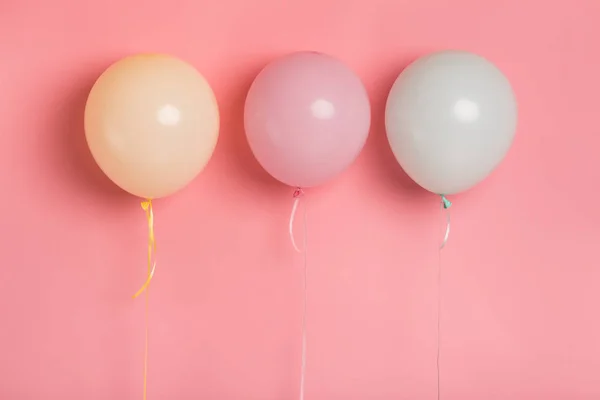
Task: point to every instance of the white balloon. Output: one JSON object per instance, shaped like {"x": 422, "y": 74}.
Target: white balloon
{"x": 450, "y": 119}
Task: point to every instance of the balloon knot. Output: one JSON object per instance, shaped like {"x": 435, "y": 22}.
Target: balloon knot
{"x": 146, "y": 204}
{"x": 298, "y": 192}
{"x": 447, "y": 203}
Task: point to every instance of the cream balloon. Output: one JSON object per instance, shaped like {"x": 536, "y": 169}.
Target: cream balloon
{"x": 152, "y": 124}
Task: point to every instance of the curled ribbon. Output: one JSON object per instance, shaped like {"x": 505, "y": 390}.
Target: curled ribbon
{"x": 298, "y": 193}
{"x": 445, "y": 206}
{"x": 147, "y": 207}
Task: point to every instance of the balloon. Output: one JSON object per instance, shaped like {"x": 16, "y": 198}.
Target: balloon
{"x": 450, "y": 118}
{"x": 152, "y": 123}
{"x": 307, "y": 117}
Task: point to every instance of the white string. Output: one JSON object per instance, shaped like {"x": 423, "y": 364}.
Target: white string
{"x": 297, "y": 194}
{"x": 447, "y": 226}
{"x": 439, "y": 319}
{"x": 446, "y": 211}
{"x": 305, "y": 301}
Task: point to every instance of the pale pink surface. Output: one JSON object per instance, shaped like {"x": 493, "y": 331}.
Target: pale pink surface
{"x": 522, "y": 274}
{"x": 307, "y": 117}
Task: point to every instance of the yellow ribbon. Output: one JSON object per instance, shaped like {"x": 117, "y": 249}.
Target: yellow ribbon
{"x": 147, "y": 207}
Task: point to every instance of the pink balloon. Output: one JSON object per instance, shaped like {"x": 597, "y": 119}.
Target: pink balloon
{"x": 307, "y": 117}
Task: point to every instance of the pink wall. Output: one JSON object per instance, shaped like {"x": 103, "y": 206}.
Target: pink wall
{"x": 521, "y": 280}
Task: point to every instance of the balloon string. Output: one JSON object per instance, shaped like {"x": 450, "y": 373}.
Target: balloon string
{"x": 445, "y": 210}
{"x": 298, "y": 193}
{"x": 305, "y": 302}
{"x": 445, "y": 207}
{"x": 147, "y": 207}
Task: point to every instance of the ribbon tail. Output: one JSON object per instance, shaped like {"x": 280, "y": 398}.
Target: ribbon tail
{"x": 147, "y": 283}
{"x": 303, "y": 373}
{"x": 146, "y": 322}
{"x": 291, "y": 225}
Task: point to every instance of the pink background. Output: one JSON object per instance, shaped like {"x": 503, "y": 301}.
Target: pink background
{"x": 521, "y": 276}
